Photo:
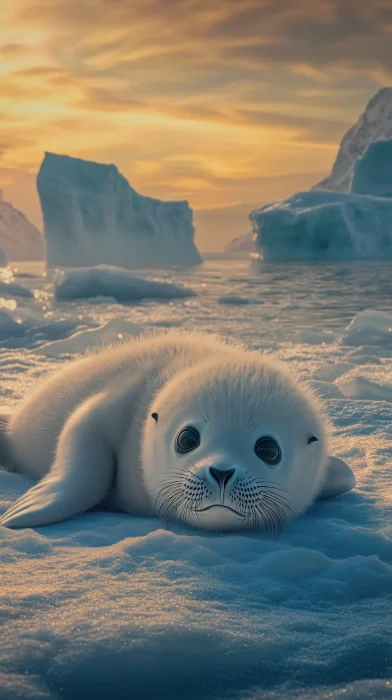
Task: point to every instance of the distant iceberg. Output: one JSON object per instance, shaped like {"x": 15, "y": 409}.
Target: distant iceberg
{"x": 108, "y": 281}
{"x": 92, "y": 216}
{"x": 321, "y": 225}
{"x": 19, "y": 239}
{"x": 241, "y": 244}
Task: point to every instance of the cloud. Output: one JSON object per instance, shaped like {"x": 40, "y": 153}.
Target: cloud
{"x": 216, "y": 102}
{"x": 251, "y": 33}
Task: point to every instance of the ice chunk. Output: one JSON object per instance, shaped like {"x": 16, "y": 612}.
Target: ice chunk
{"x": 13, "y": 289}
{"x": 92, "y": 215}
{"x": 9, "y": 328}
{"x": 373, "y": 172}
{"x": 21, "y": 327}
{"x": 314, "y": 337}
{"x": 233, "y": 299}
{"x": 362, "y": 388}
{"x": 325, "y": 226}
{"x": 115, "y": 282}
{"x": 111, "y": 332}
{"x": 326, "y": 390}
{"x": 369, "y": 327}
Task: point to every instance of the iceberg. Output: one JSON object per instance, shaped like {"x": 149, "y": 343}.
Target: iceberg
{"x": 19, "y": 239}
{"x": 115, "y": 282}
{"x": 373, "y": 172}
{"x": 319, "y": 225}
{"x": 241, "y": 244}
{"x": 92, "y": 215}
{"x": 373, "y": 125}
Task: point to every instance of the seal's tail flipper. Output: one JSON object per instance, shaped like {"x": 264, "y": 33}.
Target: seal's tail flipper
{"x": 339, "y": 478}
{"x": 80, "y": 477}
{"x": 4, "y": 448}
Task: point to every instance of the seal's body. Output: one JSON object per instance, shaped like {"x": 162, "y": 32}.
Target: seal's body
{"x": 182, "y": 426}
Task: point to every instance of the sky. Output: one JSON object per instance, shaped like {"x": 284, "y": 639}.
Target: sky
{"x": 228, "y": 104}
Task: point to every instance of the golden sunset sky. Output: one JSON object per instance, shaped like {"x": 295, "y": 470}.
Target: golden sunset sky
{"x": 226, "y": 103}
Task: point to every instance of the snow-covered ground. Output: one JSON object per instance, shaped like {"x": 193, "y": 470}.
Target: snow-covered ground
{"x": 110, "y": 606}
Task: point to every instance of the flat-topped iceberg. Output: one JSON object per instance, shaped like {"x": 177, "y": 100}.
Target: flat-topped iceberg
{"x": 113, "y": 282}
{"x": 92, "y": 216}
{"x": 321, "y": 225}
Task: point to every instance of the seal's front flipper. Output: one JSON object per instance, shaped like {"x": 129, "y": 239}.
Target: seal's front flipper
{"x": 45, "y": 503}
{"x": 338, "y": 479}
{"x": 79, "y": 479}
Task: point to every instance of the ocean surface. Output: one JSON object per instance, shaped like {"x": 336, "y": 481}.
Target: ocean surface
{"x": 110, "y": 606}
{"x": 276, "y": 300}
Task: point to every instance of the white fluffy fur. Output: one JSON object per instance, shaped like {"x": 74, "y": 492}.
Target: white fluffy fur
{"x": 90, "y": 426}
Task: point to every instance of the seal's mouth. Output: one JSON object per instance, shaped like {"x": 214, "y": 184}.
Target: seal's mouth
{"x": 236, "y": 512}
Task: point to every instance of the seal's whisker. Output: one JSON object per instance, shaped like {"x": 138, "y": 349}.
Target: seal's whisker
{"x": 205, "y": 418}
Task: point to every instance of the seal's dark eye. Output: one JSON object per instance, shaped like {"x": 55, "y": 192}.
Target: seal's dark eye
{"x": 267, "y": 449}
{"x": 187, "y": 440}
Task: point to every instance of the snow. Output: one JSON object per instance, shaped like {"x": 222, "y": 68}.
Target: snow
{"x": 110, "y": 606}
{"x": 19, "y": 239}
{"x": 373, "y": 125}
{"x": 92, "y": 215}
{"x": 373, "y": 172}
{"x": 319, "y": 225}
{"x": 109, "y": 281}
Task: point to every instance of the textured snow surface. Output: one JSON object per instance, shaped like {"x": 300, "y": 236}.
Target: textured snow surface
{"x": 374, "y": 124}
{"x": 19, "y": 239}
{"x": 110, "y": 606}
{"x": 373, "y": 172}
{"x": 92, "y": 215}
{"x": 325, "y": 226}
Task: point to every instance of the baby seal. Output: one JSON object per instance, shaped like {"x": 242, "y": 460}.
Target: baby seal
{"x": 183, "y": 426}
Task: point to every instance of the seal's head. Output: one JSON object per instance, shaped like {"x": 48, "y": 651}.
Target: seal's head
{"x": 234, "y": 443}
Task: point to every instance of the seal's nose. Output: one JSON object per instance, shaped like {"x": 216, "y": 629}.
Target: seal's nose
{"x": 221, "y": 476}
